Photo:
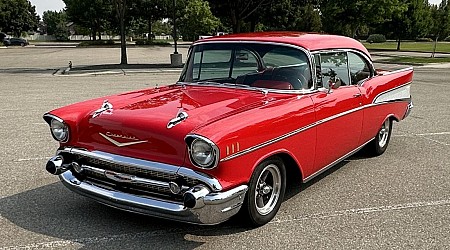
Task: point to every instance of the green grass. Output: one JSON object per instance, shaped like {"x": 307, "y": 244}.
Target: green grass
{"x": 410, "y": 46}
{"x": 416, "y": 60}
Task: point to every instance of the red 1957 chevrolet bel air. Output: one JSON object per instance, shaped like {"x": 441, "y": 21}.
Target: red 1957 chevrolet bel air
{"x": 247, "y": 111}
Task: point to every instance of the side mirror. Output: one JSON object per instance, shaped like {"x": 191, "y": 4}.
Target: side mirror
{"x": 333, "y": 83}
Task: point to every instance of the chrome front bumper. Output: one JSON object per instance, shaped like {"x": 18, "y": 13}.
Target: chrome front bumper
{"x": 210, "y": 206}
{"x": 218, "y": 207}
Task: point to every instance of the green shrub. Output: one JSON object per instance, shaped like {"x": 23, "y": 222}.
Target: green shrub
{"x": 447, "y": 39}
{"x": 97, "y": 43}
{"x": 424, "y": 39}
{"x": 154, "y": 43}
{"x": 376, "y": 38}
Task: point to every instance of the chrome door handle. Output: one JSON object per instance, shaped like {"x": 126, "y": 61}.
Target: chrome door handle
{"x": 357, "y": 95}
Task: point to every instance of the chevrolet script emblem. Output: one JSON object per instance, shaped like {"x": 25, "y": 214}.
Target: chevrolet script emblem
{"x": 109, "y": 137}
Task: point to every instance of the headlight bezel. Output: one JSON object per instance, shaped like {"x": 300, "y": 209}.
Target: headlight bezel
{"x": 191, "y": 140}
{"x": 51, "y": 119}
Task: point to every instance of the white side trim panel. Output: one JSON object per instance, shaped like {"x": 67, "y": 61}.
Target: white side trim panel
{"x": 404, "y": 92}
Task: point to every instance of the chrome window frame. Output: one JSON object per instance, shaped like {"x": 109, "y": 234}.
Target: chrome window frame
{"x": 188, "y": 66}
{"x": 346, "y": 50}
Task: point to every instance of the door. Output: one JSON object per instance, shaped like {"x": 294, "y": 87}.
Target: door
{"x": 339, "y": 115}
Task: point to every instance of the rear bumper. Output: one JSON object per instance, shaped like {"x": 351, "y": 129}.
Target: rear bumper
{"x": 218, "y": 207}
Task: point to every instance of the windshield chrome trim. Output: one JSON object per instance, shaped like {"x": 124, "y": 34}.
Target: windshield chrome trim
{"x": 237, "y": 86}
{"x": 294, "y": 91}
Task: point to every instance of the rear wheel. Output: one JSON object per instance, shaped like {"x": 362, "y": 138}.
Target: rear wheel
{"x": 380, "y": 143}
{"x": 266, "y": 191}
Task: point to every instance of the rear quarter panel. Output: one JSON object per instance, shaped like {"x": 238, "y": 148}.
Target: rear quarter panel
{"x": 385, "y": 95}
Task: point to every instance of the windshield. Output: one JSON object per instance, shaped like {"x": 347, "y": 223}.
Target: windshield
{"x": 255, "y": 65}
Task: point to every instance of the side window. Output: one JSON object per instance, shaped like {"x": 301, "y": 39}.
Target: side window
{"x": 333, "y": 66}
{"x": 359, "y": 68}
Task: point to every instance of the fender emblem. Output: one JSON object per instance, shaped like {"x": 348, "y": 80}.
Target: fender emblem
{"x": 120, "y": 144}
{"x": 119, "y": 177}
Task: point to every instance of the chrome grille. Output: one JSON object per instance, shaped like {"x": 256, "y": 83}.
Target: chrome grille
{"x": 141, "y": 172}
{"x": 100, "y": 179}
{"x": 97, "y": 176}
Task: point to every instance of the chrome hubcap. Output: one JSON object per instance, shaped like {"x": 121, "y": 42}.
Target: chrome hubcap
{"x": 383, "y": 134}
{"x": 268, "y": 189}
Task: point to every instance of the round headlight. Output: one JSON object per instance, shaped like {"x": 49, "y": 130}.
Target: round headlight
{"x": 60, "y": 131}
{"x": 203, "y": 153}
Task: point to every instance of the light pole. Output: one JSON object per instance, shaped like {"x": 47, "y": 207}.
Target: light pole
{"x": 175, "y": 58}
{"x": 175, "y": 37}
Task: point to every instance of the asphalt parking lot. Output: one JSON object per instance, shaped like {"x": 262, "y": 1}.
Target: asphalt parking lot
{"x": 400, "y": 200}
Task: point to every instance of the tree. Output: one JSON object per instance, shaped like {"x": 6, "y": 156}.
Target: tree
{"x": 197, "y": 20}
{"x": 151, "y": 11}
{"x": 94, "y": 15}
{"x": 55, "y": 24}
{"x": 237, "y": 12}
{"x": 350, "y": 17}
{"x": 409, "y": 20}
{"x": 440, "y": 27}
{"x": 121, "y": 7}
{"x": 17, "y": 16}
{"x": 302, "y": 15}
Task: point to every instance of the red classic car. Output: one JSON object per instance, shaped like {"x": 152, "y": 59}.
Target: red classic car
{"x": 248, "y": 111}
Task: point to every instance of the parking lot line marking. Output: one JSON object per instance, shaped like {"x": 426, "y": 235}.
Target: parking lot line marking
{"x": 424, "y": 135}
{"x": 438, "y": 133}
{"x": 281, "y": 219}
{"x": 367, "y": 210}
{"x": 433, "y": 140}
{"x": 32, "y": 159}
{"x": 95, "y": 240}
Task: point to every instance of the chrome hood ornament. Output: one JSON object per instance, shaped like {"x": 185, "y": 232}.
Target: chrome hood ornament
{"x": 106, "y": 106}
{"x": 109, "y": 137}
{"x": 181, "y": 116}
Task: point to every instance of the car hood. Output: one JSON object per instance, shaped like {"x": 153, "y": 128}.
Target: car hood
{"x": 136, "y": 125}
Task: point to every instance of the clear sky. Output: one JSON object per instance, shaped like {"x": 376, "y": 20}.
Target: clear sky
{"x": 43, "y": 5}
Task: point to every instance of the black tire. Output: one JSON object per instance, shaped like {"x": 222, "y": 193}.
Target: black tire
{"x": 381, "y": 141}
{"x": 265, "y": 192}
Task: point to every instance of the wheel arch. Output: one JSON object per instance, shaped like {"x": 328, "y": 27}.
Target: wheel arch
{"x": 293, "y": 168}
{"x": 393, "y": 117}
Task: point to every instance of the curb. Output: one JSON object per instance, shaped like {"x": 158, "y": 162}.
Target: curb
{"x": 68, "y": 72}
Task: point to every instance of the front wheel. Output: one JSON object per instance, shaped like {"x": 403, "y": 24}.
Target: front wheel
{"x": 266, "y": 191}
{"x": 380, "y": 143}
